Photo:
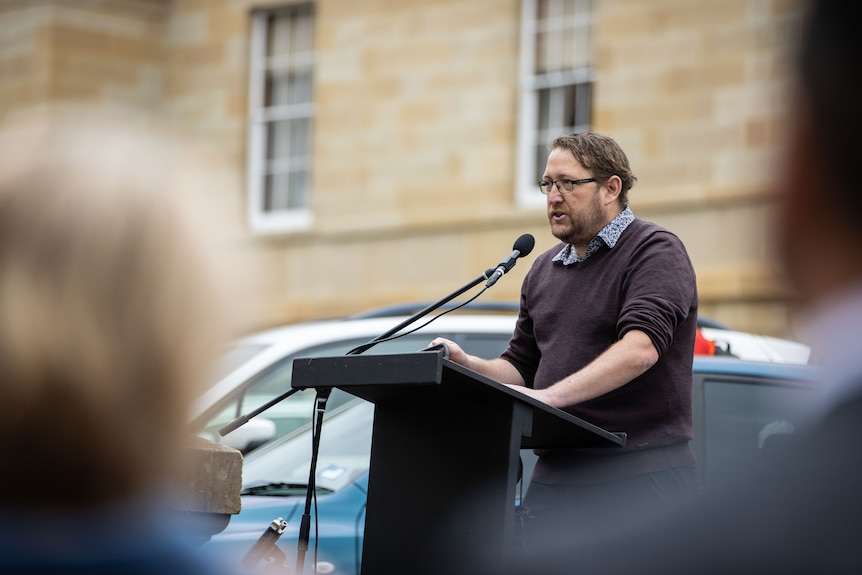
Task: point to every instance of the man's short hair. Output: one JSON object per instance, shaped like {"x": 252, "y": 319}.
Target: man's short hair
{"x": 602, "y": 156}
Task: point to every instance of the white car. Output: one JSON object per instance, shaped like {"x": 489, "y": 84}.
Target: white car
{"x": 258, "y": 368}
{"x": 755, "y": 347}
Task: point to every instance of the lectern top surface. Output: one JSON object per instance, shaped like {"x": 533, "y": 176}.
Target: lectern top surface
{"x": 426, "y": 378}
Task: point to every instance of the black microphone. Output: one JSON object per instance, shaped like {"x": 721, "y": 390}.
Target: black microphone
{"x": 523, "y": 246}
{"x": 265, "y": 547}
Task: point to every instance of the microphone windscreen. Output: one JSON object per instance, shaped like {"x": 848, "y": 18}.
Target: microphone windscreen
{"x": 524, "y": 244}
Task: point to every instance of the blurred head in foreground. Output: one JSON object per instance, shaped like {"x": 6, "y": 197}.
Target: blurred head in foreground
{"x": 107, "y": 311}
{"x": 820, "y": 233}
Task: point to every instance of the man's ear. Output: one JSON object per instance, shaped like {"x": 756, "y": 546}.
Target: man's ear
{"x": 613, "y": 187}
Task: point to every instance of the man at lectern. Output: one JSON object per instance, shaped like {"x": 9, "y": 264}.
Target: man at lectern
{"x": 605, "y": 332}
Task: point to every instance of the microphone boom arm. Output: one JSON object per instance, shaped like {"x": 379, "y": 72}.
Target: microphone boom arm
{"x": 420, "y": 314}
{"x": 523, "y": 246}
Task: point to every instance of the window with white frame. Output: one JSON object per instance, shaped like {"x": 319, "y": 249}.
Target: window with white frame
{"x": 281, "y": 111}
{"x": 556, "y": 83}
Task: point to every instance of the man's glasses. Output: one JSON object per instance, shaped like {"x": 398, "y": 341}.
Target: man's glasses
{"x": 565, "y": 186}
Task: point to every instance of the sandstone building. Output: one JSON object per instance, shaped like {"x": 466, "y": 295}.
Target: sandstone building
{"x": 381, "y": 151}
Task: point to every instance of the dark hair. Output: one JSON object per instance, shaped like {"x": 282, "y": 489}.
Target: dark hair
{"x": 602, "y": 156}
{"x": 831, "y": 81}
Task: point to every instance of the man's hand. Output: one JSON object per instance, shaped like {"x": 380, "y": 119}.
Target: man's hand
{"x": 620, "y": 363}
{"x": 497, "y": 369}
{"x": 456, "y": 354}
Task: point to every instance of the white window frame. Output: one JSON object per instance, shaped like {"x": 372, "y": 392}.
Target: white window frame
{"x": 529, "y": 134}
{"x": 260, "y": 117}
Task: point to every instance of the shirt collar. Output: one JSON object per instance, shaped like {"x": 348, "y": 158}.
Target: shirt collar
{"x": 609, "y": 235}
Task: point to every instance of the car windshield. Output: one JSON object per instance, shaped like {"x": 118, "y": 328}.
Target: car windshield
{"x": 273, "y": 378}
{"x": 344, "y": 455}
{"x": 234, "y": 356}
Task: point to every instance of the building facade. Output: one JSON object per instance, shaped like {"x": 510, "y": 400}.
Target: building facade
{"x": 383, "y": 151}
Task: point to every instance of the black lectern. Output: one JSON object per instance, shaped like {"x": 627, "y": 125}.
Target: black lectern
{"x": 444, "y": 458}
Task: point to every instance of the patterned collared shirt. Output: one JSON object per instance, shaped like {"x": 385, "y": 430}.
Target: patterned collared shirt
{"x": 608, "y": 236}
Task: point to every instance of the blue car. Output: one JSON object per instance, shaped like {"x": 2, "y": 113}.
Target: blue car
{"x": 275, "y": 486}
{"x": 741, "y": 408}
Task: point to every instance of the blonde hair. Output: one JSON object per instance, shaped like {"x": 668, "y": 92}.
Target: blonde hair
{"x": 107, "y": 311}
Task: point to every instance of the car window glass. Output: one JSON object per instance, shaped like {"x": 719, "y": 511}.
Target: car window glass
{"x": 746, "y": 422}
{"x": 487, "y": 345}
{"x": 343, "y": 455}
{"x": 297, "y": 409}
{"x": 234, "y": 356}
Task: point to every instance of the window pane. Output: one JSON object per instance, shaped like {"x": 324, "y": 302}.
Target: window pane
{"x": 568, "y": 110}
{"x": 542, "y": 63}
{"x": 544, "y": 109}
{"x": 583, "y": 109}
{"x": 299, "y": 87}
{"x": 285, "y": 114}
{"x": 563, "y": 110}
{"x": 277, "y": 88}
{"x": 289, "y": 31}
{"x": 278, "y": 34}
{"x": 275, "y": 192}
{"x": 299, "y": 138}
{"x": 301, "y": 38}
{"x": 542, "y": 9}
{"x": 288, "y": 139}
{"x": 298, "y": 184}
{"x": 583, "y": 6}
{"x": 541, "y": 160}
{"x": 286, "y": 190}
{"x": 579, "y": 48}
{"x": 285, "y": 87}
{"x": 278, "y": 140}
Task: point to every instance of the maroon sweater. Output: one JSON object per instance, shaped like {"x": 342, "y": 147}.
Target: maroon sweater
{"x": 571, "y": 314}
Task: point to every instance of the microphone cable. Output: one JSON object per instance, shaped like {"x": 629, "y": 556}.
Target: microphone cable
{"x": 368, "y": 345}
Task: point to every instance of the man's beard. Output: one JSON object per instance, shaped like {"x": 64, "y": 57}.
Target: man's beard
{"x": 584, "y": 225}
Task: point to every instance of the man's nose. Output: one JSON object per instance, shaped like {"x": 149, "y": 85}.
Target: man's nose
{"x": 555, "y": 194}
